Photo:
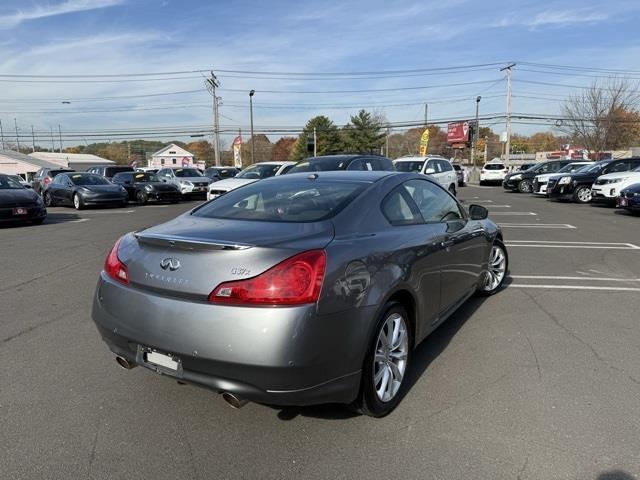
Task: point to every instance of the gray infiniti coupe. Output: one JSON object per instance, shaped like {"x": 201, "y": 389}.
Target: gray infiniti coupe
{"x": 300, "y": 289}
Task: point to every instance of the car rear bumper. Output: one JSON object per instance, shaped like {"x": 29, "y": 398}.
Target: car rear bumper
{"x": 279, "y": 356}
{"x": 33, "y": 213}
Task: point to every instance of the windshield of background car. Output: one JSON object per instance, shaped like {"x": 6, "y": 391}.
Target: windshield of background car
{"x": 596, "y": 167}
{"x": 83, "y": 179}
{"x": 294, "y": 201}
{"x": 227, "y": 172}
{"x": 53, "y": 173}
{"x": 409, "y": 166}
{"x": 187, "y": 172}
{"x": 7, "y": 183}
{"x": 145, "y": 177}
{"x": 259, "y": 171}
{"x": 494, "y": 166}
{"x": 571, "y": 167}
{"x": 110, "y": 171}
{"x": 326, "y": 165}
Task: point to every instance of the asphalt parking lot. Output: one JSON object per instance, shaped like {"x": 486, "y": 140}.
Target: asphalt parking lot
{"x": 540, "y": 381}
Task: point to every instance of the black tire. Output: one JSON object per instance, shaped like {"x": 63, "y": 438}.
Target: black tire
{"x": 482, "y": 286}
{"x": 582, "y": 194}
{"x": 525, "y": 186}
{"x": 78, "y": 204}
{"x": 452, "y": 189}
{"x": 48, "y": 201}
{"x": 481, "y": 183}
{"x": 141, "y": 198}
{"x": 368, "y": 402}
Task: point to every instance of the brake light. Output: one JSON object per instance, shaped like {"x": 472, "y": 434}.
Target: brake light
{"x": 46, "y": 180}
{"x": 295, "y": 281}
{"x": 114, "y": 267}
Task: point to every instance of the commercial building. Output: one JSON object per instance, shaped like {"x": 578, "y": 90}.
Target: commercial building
{"x": 14, "y": 163}
{"x": 76, "y": 161}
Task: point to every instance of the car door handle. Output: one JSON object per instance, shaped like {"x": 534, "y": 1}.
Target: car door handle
{"x": 446, "y": 243}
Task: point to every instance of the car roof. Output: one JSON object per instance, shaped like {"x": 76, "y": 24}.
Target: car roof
{"x": 417, "y": 158}
{"x": 342, "y": 156}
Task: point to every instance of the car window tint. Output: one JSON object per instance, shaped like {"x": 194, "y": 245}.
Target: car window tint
{"x": 398, "y": 209}
{"x": 59, "y": 179}
{"x": 618, "y": 167}
{"x": 409, "y": 166}
{"x": 357, "y": 164}
{"x": 286, "y": 169}
{"x": 434, "y": 203}
{"x": 446, "y": 166}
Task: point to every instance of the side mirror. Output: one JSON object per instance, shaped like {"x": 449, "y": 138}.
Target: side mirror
{"x": 429, "y": 171}
{"x": 478, "y": 212}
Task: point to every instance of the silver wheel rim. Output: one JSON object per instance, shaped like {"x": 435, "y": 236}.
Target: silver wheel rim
{"x": 584, "y": 195}
{"x": 497, "y": 269}
{"x": 47, "y": 200}
{"x": 526, "y": 186}
{"x": 76, "y": 201}
{"x": 390, "y": 360}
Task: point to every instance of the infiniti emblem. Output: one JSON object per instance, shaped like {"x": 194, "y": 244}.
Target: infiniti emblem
{"x": 171, "y": 264}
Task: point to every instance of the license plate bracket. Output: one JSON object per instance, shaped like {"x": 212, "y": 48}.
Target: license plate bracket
{"x": 158, "y": 361}
{"x": 20, "y": 211}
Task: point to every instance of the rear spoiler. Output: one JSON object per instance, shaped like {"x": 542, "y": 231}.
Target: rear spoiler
{"x": 187, "y": 243}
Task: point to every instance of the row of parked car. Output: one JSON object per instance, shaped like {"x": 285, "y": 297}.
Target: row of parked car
{"x": 612, "y": 182}
{"x": 119, "y": 185}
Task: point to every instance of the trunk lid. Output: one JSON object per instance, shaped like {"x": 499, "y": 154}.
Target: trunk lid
{"x": 189, "y": 256}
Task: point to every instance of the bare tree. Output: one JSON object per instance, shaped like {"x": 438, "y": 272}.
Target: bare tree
{"x": 604, "y": 116}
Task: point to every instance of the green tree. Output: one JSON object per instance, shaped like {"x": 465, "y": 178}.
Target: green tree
{"x": 327, "y": 134}
{"x": 364, "y": 133}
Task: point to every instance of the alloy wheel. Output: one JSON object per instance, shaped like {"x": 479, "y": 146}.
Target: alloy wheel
{"x": 584, "y": 195}
{"x": 76, "y": 202}
{"x": 497, "y": 269}
{"x": 390, "y": 359}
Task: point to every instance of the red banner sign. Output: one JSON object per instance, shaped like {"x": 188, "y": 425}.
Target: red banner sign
{"x": 458, "y": 132}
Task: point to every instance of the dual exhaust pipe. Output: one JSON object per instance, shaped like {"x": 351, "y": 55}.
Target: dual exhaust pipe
{"x": 229, "y": 398}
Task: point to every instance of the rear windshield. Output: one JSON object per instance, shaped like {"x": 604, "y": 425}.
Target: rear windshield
{"x": 53, "y": 173}
{"x": 7, "y": 183}
{"x": 187, "y": 172}
{"x": 409, "y": 166}
{"x": 111, "y": 171}
{"x": 294, "y": 201}
{"x": 324, "y": 165}
{"x": 88, "y": 179}
{"x": 258, "y": 172}
{"x": 145, "y": 177}
{"x": 494, "y": 166}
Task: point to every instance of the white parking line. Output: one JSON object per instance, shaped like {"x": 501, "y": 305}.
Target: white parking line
{"x": 514, "y": 213}
{"x": 576, "y": 245}
{"x": 591, "y": 279}
{"x": 538, "y": 225}
{"x": 108, "y": 212}
{"x": 500, "y": 206}
{"x": 576, "y": 287}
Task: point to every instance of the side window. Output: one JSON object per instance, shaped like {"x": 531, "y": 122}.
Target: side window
{"x": 619, "y": 167}
{"x": 545, "y": 168}
{"x": 60, "y": 180}
{"x": 431, "y": 164}
{"x": 357, "y": 164}
{"x": 445, "y": 166}
{"x": 434, "y": 203}
{"x": 635, "y": 163}
{"x": 398, "y": 208}
{"x": 284, "y": 170}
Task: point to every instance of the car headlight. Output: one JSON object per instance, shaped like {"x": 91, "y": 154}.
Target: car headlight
{"x": 517, "y": 177}
{"x": 637, "y": 194}
{"x": 564, "y": 181}
{"x": 615, "y": 180}
{"x": 186, "y": 183}
{"x": 148, "y": 188}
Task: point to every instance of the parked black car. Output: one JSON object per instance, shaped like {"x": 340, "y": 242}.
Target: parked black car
{"x": 577, "y": 186}
{"x": 629, "y": 199}
{"x": 80, "y": 190}
{"x": 108, "y": 171}
{"x": 145, "y": 186}
{"x": 523, "y": 181}
{"x": 343, "y": 162}
{"x": 45, "y": 176}
{"x": 220, "y": 173}
{"x": 459, "y": 174}
{"x": 19, "y": 204}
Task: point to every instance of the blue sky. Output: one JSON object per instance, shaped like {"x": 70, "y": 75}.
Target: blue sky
{"x": 65, "y": 37}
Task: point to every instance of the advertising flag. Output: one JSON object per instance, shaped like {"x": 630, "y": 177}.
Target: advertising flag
{"x": 424, "y": 142}
{"x": 237, "y": 151}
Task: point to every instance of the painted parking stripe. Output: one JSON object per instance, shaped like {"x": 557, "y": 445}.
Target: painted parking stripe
{"x": 103, "y": 212}
{"x": 538, "y": 225}
{"x": 576, "y": 245}
{"x": 514, "y": 213}
{"x": 590, "y": 279}
{"x": 576, "y": 287}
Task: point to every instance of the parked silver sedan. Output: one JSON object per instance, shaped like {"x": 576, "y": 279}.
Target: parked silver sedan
{"x": 299, "y": 289}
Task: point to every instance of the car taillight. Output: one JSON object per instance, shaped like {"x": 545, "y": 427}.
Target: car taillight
{"x": 296, "y": 280}
{"x": 46, "y": 180}
{"x": 114, "y": 267}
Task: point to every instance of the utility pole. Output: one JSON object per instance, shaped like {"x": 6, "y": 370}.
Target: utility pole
{"x": 2, "y": 134}
{"x": 508, "y": 143}
{"x": 426, "y": 111}
{"x": 253, "y": 149}
{"x": 15, "y": 122}
{"x": 486, "y": 143}
{"x": 386, "y": 143}
{"x": 212, "y": 84}
{"x": 476, "y": 130}
{"x": 33, "y": 141}
{"x": 60, "y": 136}
{"x": 315, "y": 143}
{"x": 53, "y": 145}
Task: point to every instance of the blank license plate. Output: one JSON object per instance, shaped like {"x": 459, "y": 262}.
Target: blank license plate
{"x": 623, "y": 202}
{"x": 20, "y": 211}
{"x": 161, "y": 360}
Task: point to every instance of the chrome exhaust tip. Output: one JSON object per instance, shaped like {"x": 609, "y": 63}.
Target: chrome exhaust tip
{"x": 233, "y": 401}
{"x": 124, "y": 363}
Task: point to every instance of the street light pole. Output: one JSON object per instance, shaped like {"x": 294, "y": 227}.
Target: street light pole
{"x": 508, "y": 143}
{"x": 476, "y": 130}
{"x": 253, "y": 150}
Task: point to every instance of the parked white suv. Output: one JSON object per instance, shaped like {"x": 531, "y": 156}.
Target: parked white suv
{"x": 251, "y": 174}
{"x": 438, "y": 168}
{"x": 493, "y": 171}
{"x": 607, "y": 187}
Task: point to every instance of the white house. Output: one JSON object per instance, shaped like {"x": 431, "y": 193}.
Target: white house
{"x": 171, "y": 156}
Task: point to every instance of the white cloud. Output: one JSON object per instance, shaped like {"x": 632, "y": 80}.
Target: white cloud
{"x": 48, "y": 10}
{"x": 560, "y": 18}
